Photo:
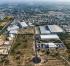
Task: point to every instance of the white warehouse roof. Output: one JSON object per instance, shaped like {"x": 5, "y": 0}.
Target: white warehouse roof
{"x": 14, "y": 27}
{"x": 51, "y": 45}
{"x": 23, "y": 24}
{"x": 55, "y": 28}
{"x": 13, "y": 32}
{"x": 54, "y": 36}
{"x": 43, "y": 30}
{"x": 43, "y": 45}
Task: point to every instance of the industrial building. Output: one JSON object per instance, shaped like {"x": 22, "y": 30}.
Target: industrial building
{"x": 51, "y": 36}
{"x": 12, "y": 27}
{"x": 47, "y": 37}
{"x": 50, "y": 29}
{"x": 44, "y": 30}
{"x": 46, "y": 45}
{"x": 55, "y": 29}
{"x": 23, "y": 24}
{"x": 13, "y": 32}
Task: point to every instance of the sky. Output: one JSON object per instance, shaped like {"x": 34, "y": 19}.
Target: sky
{"x": 12, "y": 1}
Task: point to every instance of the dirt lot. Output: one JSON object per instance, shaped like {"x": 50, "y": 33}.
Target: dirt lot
{"x": 22, "y": 53}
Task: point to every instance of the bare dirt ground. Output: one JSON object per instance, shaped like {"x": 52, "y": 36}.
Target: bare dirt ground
{"x": 22, "y": 53}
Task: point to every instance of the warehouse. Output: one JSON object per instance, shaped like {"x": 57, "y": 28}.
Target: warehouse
{"x": 55, "y": 29}
{"x": 23, "y": 24}
{"x": 51, "y": 36}
{"x": 50, "y": 29}
{"x": 13, "y": 27}
{"x": 46, "y": 45}
{"x": 43, "y": 30}
{"x": 13, "y": 32}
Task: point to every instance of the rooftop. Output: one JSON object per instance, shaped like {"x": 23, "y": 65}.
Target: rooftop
{"x": 55, "y": 28}
{"x": 13, "y": 32}
{"x": 52, "y": 36}
{"x": 23, "y": 24}
{"x": 51, "y": 45}
{"x": 43, "y": 30}
{"x": 14, "y": 27}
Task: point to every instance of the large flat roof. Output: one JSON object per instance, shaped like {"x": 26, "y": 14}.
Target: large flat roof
{"x": 51, "y": 45}
{"x": 43, "y": 30}
{"x": 52, "y": 36}
{"x": 13, "y": 32}
{"x": 55, "y": 28}
{"x": 23, "y": 24}
{"x": 14, "y": 27}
